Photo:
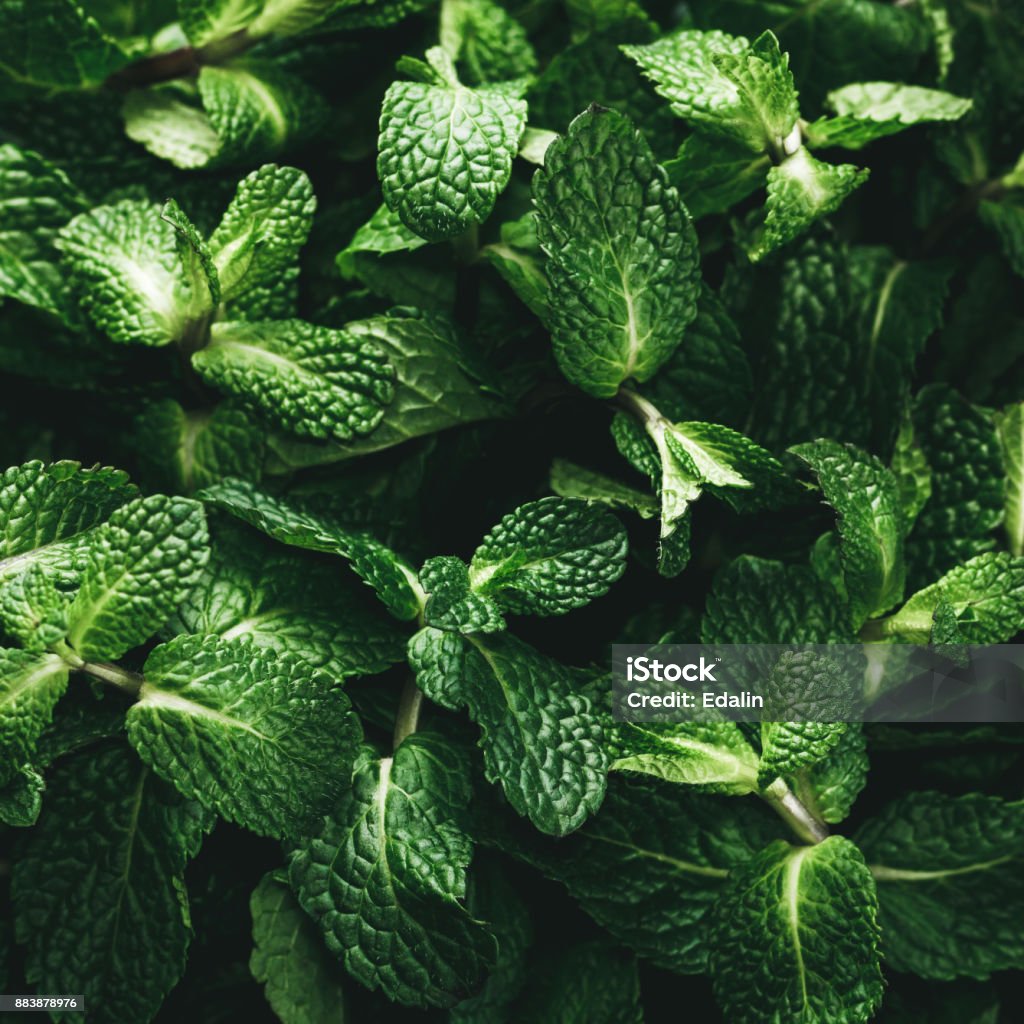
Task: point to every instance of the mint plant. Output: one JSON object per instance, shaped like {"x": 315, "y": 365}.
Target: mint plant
{"x": 369, "y": 367}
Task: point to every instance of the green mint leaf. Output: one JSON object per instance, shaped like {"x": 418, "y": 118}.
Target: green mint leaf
{"x": 986, "y": 595}
{"x": 313, "y": 381}
{"x": 201, "y": 281}
{"x": 622, "y": 254}
{"x": 123, "y": 266}
{"x": 754, "y": 600}
{"x": 869, "y": 518}
{"x": 139, "y": 566}
{"x": 713, "y": 174}
{"x": 540, "y": 738}
{"x": 182, "y": 451}
{"x": 592, "y": 981}
{"x": 550, "y": 556}
{"x": 261, "y": 738}
{"x": 55, "y": 45}
{"x": 36, "y": 199}
{"x": 240, "y": 113}
{"x": 391, "y": 577}
{"x": 801, "y": 190}
{"x": 486, "y": 43}
{"x": 446, "y": 150}
{"x": 252, "y": 589}
{"x": 491, "y": 897}
{"x": 591, "y": 16}
{"x": 872, "y": 110}
{"x": 32, "y": 610}
{"x": 572, "y": 481}
{"x": 385, "y": 876}
{"x": 520, "y": 261}
{"x": 1006, "y": 219}
{"x": 30, "y": 685}
{"x": 788, "y": 747}
{"x": 950, "y": 885}
{"x": 787, "y": 920}
{"x": 209, "y": 21}
{"x": 438, "y": 385}
{"x": 257, "y": 243}
{"x": 99, "y": 892}
{"x": 671, "y": 851}
{"x": 829, "y": 788}
{"x": 912, "y": 472}
{"x": 960, "y": 443}
{"x": 451, "y": 603}
{"x": 382, "y": 234}
{"x": 301, "y": 981}
{"x": 47, "y": 510}
{"x": 21, "y": 801}
{"x": 713, "y": 756}
{"x": 1010, "y": 425}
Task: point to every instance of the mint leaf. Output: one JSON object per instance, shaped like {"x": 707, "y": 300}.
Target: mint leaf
{"x": 45, "y": 509}
{"x": 139, "y": 566}
{"x": 550, "y": 556}
{"x": 30, "y": 686}
{"x": 787, "y": 920}
{"x": 714, "y": 756}
{"x": 1006, "y": 219}
{"x": 32, "y": 610}
{"x": 255, "y": 591}
{"x": 622, "y": 254}
{"x": 21, "y": 800}
{"x": 789, "y": 747}
{"x": 446, "y": 150}
{"x": 382, "y": 234}
{"x": 801, "y": 190}
{"x": 257, "y": 243}
{"x": 36, "y": 199}
{"x": 182, "y": 451}
{"x": 592, "y": 981}
{"x": 300, "y": 981}
{"x": 870, "y": 521}
{"x": 713, "y": 174}
{"x": 572, "y": 481}
{"x": 123, "y": 266}
{"x": 260, "y": 738}
{"x": 486, "y": 43}
{"x": 540, "y": 739}
{"x": 207, "y": 21}
{"x": 949, "y": 883}
{"x": 385, "y": 876}
{"x": 98, "y": 890}
{"x": 912, "y": 472}
{"x": 201, "y": 280}
{"x": 451, "y": 603}
{"x": 310, "y": 380}
{"x": 985, "y": 595}
{"x": 829, "y": 788}
{"x": 1010, "y": 425}
{"x": 391, "y": 576}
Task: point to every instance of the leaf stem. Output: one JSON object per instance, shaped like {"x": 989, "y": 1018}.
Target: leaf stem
{"x": 786, "y": 804}
{"x": 408, "y": 718}
{"x": 129, "y": 682}
{"x": 184, "y": 62}
{"x": 646, "y": 413}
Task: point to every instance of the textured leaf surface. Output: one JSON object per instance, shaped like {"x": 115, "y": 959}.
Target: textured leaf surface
{"x": 383, "y": 233}
{"x": 986, "y": 596}
{"x": 712, "y": 174}
{"x": 254, "y": 590}
{"x": 385, "y": 876}
{"x": 622, "y": 254}
{"x": 831, "y": 787}
{"x": 32, "y": 610}
{"x": 572, "y": 481}
{"x": 713, "y": 756}
{"x": 36, "y": 199}
{"x": 550, "y": 556}
{"x": 796, "y": 937}
{"x": 99, "y": 894}
{"x": 139, "y": 566}
{"x": 391, "y": 576}
{"x": 451, "y": 603}
{"x": 202, "y": 284}
{"x": 950, "y": 884}
{"x": 446, "y": 150}
{"x": 485, "y": 41}
{"x": 310, "y": 380}
{"x": 205, "y": 21}
{"x": 21, "y": 800}
{"x": 541, "y": 740}
{"x": 261, "y": 738}
{"x": 124, "y": 268}
{"x": 300, "y": 980}
{"x": 866, "y": 498}
{"x": 30, "y": 686}
{"x": 1010, "y": 424}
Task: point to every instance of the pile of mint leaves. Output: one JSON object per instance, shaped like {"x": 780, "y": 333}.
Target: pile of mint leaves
{"x": 367, "y": 369}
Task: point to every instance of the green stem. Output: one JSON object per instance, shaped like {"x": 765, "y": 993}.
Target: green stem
{"x": 129, "y": 682}
{"x": 786, "y": 804}
{"x": 467, "y": 246}
{"x": 408, "y": 718}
